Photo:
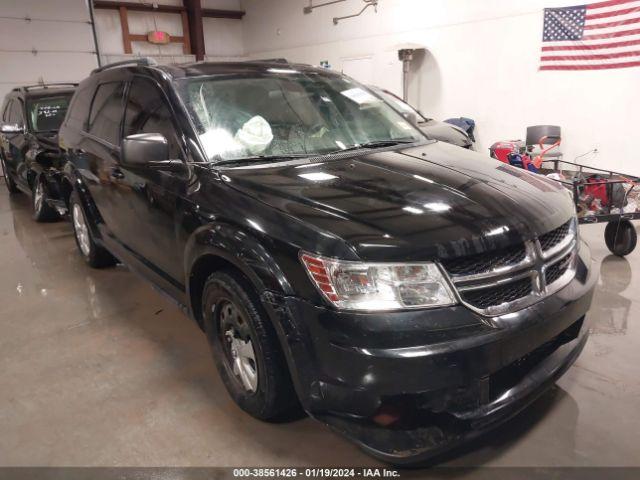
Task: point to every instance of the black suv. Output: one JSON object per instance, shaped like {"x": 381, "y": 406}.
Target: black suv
{"x": 31, "y": 117}
{"x": 410, "y": 293}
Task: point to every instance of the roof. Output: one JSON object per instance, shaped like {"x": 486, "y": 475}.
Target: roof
{"x": 46, "y": 90}
{"x": 222, "y": 68}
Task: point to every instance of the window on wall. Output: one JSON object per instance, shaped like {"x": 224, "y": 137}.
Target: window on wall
{"x": 147, "y": 112}
{"x": 106, "y": 112}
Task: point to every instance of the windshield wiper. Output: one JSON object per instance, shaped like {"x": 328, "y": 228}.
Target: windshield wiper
{"x": 266, "y": 158}
{"x": 375, "y": 144}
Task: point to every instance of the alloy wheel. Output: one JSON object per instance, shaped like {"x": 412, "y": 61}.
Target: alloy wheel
{"x": 81, "y": 230}
{"x": 38, "y": 197}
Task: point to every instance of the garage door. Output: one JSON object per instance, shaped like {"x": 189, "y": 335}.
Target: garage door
{"x": 44, "y": 41}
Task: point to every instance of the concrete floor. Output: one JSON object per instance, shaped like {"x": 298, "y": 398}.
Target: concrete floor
{"x": 96, "y": 368}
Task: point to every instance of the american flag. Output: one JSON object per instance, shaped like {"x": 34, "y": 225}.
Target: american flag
{"x": 592, "y": 37}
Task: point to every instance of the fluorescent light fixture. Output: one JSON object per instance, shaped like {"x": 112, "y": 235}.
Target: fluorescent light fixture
{"x": 498, "y": 231}
{"x": 424, "y": 179}
{"x": 282, "y": 70}
{"x": 317, "y": 176}
{"x": 437, "y": 207}
{"x": 414, "y": 210}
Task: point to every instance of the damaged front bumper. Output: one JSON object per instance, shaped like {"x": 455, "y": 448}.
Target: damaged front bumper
{"x": 407, "y": 386}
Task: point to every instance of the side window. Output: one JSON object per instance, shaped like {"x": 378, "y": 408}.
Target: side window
{"x": 6, "y": 113}
{"x": 16, "y": 113}
{"x": 106, "y": 112}
{"x": 147, "y": 112}
{"x": 79, "y": 109}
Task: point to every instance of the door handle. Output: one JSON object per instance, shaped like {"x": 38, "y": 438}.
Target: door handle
{"x": 116, "y": 173}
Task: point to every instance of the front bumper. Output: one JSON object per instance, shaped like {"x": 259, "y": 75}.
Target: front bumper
{"x": 409, "y": 385}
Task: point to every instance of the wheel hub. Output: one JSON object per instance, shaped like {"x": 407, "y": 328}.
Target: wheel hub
{"x": 238, "y": 346}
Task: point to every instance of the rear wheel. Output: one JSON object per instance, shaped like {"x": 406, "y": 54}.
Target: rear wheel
{"x": 8, "y": 181}
{"x": 42, "y": 211}
{"x": 621, "y": 237}
{"x": 94, "y": 254}
{"x": 246, "y": 349}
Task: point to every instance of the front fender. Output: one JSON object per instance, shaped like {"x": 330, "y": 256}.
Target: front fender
{"x": 74, "y": 178}
{"x": 242, "y": 250}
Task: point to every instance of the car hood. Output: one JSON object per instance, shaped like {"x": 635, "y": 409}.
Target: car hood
{"x": 431, "y": 201}
{"x": 445, "y": 132}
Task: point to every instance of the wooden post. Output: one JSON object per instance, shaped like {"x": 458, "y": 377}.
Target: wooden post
{"x": 196, "y": 31}
{"x": 124, "y": 22}
{"x": 186, "y": 45}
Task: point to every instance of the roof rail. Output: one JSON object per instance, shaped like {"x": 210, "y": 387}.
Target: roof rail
{"x": 270, "y": 60}
{"x": 143, "y": 61}
{"x": 27, "y": 88}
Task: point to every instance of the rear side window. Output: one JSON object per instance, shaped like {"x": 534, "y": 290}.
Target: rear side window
{"x": 107, "y": 107}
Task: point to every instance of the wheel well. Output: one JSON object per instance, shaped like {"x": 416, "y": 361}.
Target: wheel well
{"x": 66, "y": 189}
{"x": 200, "y": 271}
{"x": 31, "y": 177}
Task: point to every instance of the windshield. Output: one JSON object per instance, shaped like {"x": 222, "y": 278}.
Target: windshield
{"x": 47, "y": 113}
{"x": 288, "y": 114}
{"x": 399, "y": 104}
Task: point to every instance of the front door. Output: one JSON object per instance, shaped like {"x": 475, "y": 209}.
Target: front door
{"x": 152, "y": 196}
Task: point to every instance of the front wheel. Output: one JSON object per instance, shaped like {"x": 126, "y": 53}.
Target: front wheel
{"x": 621, "y": 237}
{"x": 245, "y": 348}
{"x": 42, "y": 211}
{"x": 94, "y": 254}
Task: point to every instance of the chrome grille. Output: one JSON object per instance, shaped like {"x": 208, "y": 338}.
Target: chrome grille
{"x": 554, "y": 237}
{"x": 483, "y": 298}
{"x": 509, "y": 279}
{"x": 475, "y": 264}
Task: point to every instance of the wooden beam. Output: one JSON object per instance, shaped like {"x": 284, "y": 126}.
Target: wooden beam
{"x": 145, "y": 7}
{"x": 186, "y": 45}
{"x": 217, "y": 13}
{"x": 196, "y": 31}
{"x": 124, "y": 23}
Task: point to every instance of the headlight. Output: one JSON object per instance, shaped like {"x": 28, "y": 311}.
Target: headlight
{"x": 378, "y": 286}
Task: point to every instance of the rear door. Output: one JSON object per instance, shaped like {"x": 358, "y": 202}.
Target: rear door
{"x": 101, "y": 150}
{"x": 15, "y": 144}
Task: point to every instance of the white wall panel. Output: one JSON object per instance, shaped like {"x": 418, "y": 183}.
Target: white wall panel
{"x": 44, "y": 40}
{"x": 482, "y": 63}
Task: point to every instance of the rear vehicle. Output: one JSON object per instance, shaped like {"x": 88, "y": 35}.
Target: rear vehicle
{"x": 29, "y": 152}
{"x": 409, "y": 293}
{"x": 442, "y": 131}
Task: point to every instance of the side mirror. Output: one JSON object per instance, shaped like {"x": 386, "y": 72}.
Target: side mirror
{"x": 11, "y": 128}
{"x": 150, "y": 150}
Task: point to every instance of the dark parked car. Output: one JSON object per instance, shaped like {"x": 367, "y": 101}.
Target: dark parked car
{"x": 443, "y": 131}
{"x": 31, "y": 117}
{"x": 407, "y": 292}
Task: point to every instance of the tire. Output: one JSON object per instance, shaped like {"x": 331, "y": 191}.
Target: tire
{"x": 42, "y": 211}
{"x": 95, "y": 255}
{"x": 233, "y": 318}
{"x": 621, "y": 237}
{"x": 8, "y": 181}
